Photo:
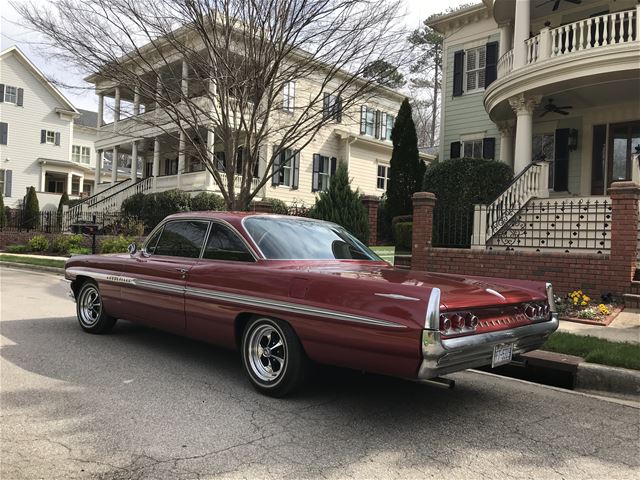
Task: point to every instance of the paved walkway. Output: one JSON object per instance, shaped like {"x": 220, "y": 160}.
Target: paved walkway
{"x": 48, "y": 257}
{"x": 625, "y": 328}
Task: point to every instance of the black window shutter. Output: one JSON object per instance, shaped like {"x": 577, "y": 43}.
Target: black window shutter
{"x": 296, "y": 170}
{"x": 7, "y": 183}
{"x": 334, "y": 162}
{"x": 458, "y": 65}
{"x": 455, "y": 150}
{"x": 275, "y": 179}
{"x": 58, "y": 139}
{"x": 489, "y": 148}
{"x": 4, "y": 134}
{"x": 363, "y": 119}
{"x": 315, "y": 179}
{"x": 339, "y": 109}
{"x": 20, "y": 97}
{"x": 325, "y": 106}
{"x": 1, "y": 92}
{"x": 43, "y": 136}
{"x": 377, "y": 123}
{"x": 491, "y": 63}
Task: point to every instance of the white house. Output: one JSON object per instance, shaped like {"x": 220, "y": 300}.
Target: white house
{"x": 551, "y": 88}
{"x": 45, "y": 142}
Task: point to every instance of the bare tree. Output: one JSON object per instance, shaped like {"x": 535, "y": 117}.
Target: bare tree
{"x": 220, "y": 67}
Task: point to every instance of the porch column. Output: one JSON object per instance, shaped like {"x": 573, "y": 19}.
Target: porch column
{"x": 506, "y": 36}
{"x": 506, "y": 142}
{"x": 181, "y": 156}
{"x": 523, "y": 107}
{"x": 136, "y": 100}
{"x": 100, "y": 111}
{"x": 134, "y": 161}
{"x": 43, "y": 178}
{"x": 114, "y": 166}
{"x": 158, "y": 91}
{"x": 98, "y": 173}
{"x": 521, "y": 33}
{"x": 116, "y": 108}
{"x": 81, "y": 184}
{"x": 69, "y": 183}
{"x": 185, "y": 77}
{"x": 156, "y": 162}
{"x": 211, "y": 138}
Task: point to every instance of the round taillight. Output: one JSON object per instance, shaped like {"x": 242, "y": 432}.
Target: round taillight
{"x": 457, "y": 321}
{"x": 472, "y": 320}
{"x": 530, "y": 311}
{"x": 545, "y": 309}
{"x": 445, "y": 323}
{"x": 539, "y": 311}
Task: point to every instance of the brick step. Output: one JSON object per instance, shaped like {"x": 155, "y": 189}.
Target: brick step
{"x": 631, "y": 300}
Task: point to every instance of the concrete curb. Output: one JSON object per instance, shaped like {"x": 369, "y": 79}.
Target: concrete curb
{"x": 37, "y": 268}
{"x": 591, "y": 376}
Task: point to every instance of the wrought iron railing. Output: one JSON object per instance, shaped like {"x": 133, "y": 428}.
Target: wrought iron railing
{"x": 568, "y": 226}
{"x": 452, "y": 227}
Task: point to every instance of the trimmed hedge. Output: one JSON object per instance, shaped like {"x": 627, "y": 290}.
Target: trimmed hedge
{"x": 402, "y": 232}
{"x": 207, "y": 201}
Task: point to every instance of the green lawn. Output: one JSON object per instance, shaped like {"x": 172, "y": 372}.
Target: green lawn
{"x": 385, "y": 252}
{"x": 595, "y": 350}
{"x": 45, "y": 262}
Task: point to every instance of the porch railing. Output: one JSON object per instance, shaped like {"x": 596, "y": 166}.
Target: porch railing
{"x": 532, "y": 182}
{"x": 505, "y": 64}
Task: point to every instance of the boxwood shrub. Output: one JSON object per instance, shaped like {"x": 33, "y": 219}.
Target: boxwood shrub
{"x": 207, "y": 201}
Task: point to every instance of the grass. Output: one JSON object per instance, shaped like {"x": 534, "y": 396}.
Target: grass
{"x": 44, "y": 262}
{"x": 385, "y": 252}
{"x": 595, "y": 350}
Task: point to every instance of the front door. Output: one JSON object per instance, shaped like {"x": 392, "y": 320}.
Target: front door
{"x": 624, "y": 146}
{"x": 561, "y": 161}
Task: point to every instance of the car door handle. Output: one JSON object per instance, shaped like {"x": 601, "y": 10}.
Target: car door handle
{"x": 183, "y": 271}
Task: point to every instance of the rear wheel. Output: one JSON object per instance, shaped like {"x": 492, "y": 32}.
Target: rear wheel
{"x": 273, "y": 357}
{"x": 90, "y": 310}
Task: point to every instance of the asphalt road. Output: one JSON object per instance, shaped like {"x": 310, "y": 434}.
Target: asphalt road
{"x": 140, "y": 404}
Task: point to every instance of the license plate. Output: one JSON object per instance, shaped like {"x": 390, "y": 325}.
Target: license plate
{"x": 502, "y": 354}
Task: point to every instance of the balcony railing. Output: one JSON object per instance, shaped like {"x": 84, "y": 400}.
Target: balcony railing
{"x": 587, "y": 34}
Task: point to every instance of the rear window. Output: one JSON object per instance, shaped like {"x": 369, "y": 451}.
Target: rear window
{"x": 282, "y": 238}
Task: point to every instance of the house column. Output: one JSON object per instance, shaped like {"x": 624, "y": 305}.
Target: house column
{"x": 211, "y": 138}
{"x": 116, "y": 108}
{"x": 81, "y": 184}
{"x": 181, "y": 156}
{"x": 43, "y": 178}
{"x": 114, "y": 166}
{"x": 523, "y": 106}
{"x": 98, "y": 173}
{"x": 134, "y": 161}
{"x": 521, "y": 33}
{"x": 185, "y": 78}
{"x": 506, "y": 35}
{"x": 506, "y": 142}
{"x": 100, "y": 111}
{"x": 156, "y": 162}
{"x": 69, "y": 183}
{"x": 136, "y": 100}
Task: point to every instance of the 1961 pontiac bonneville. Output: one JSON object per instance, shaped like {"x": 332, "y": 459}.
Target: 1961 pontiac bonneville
{"x": 288, "y": 290}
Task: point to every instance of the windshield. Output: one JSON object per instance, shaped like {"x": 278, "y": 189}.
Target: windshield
{"x": 293, "y": 238}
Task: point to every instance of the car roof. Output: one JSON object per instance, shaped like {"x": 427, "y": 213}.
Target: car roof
{"x": 233, "y": 217}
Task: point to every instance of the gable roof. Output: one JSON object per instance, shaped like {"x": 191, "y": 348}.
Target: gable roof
{"x": 87, "y": 118}
{"x": 35, "y": 71}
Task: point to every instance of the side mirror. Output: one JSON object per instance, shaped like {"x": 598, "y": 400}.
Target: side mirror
{"x": 132, "y": 248}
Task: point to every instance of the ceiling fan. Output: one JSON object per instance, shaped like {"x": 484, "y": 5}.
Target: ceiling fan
{"x": 550, "y": 107}
{"x": 557, "y": 3}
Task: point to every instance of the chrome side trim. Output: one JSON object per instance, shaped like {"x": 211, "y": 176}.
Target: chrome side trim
{"x": 432, "y": 320}
{"x": 395, "y": 296}
{"x": 236, "y": 298}
{"x": 550, "y": 298}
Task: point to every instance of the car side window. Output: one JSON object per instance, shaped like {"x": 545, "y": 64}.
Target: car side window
{"x": 150, "y": 244}
{"x": 224, "y": 244}
{"x": 182, "y": 238}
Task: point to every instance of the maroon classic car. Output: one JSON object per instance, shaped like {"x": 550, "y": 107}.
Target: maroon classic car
{"x": 288, "y": 290}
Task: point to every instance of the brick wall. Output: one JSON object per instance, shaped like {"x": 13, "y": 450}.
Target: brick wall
{"x": 372, "y": 203}
{"x": 590, "y": 272}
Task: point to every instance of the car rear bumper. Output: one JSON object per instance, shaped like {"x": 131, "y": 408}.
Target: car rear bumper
{"x": 70, "y": 291}
{"x": 443, "y": 356}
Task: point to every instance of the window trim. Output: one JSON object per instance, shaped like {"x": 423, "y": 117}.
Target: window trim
{"x": 387, "y": 167}
{"x": 476, "y": 70}
{"x": 46, "y": 137}
{"x": 289, "y": 97}
{"x": 15, "y": 94}
{"x": 235, "y": 232}
{"x": 472, "y": 141}
{"x": 80, "y": 154}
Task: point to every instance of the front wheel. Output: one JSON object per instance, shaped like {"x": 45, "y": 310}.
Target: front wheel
{"x": 273, "y": 357}
{"x": 90, "y": 310}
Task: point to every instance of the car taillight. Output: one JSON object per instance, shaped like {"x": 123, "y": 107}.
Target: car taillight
{"x": 458, "y": 322}
{"x": 537, "y": 311}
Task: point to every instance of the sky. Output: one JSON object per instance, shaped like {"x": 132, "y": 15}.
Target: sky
{"x": 13, "y": 33}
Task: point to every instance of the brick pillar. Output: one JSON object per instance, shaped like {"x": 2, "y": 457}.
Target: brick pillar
{"x": 423, "y": 203}
{"x": 624, "y": 230}
{"x": 372, "y": 203}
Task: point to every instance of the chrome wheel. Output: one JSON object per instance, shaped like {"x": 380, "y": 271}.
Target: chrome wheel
{"x": 90, "y": 306}
{"x": 267, "y": 353}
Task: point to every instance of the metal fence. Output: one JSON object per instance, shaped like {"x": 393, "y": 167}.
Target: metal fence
{"x": 452, "y": 227}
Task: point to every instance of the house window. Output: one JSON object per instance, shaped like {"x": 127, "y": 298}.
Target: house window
{"x": 286, "y": 159}
{"x": 370, "y": 122}
{"x": 10, "y": 94}
{"x": 472, "y": 148}
{"x": 332, "y": 107}
{"x": 323, "y": 168}
{"x": 55, "y": 186}
{"x": 4, "y": 133}
{"x": 383, "y": 177}
{"x": 51, "y": 137}
{"x": 387, "y": 127}
{"x": 475, "y": 68}
{"x": 289, "y": 96}
{"x": 80, "y": 154}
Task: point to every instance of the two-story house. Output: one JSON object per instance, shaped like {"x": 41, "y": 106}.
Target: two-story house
{"x": 551, "y": 88}
{"x": 359, "y": 136}
{"x": 45, "y": 142}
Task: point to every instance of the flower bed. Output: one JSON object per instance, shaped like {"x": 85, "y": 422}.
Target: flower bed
{"x": 577, "y": 306}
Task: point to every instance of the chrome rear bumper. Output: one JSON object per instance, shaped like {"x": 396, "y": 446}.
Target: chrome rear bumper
{"x": 70, "y": 291}
{"x": 443, "y": 356}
